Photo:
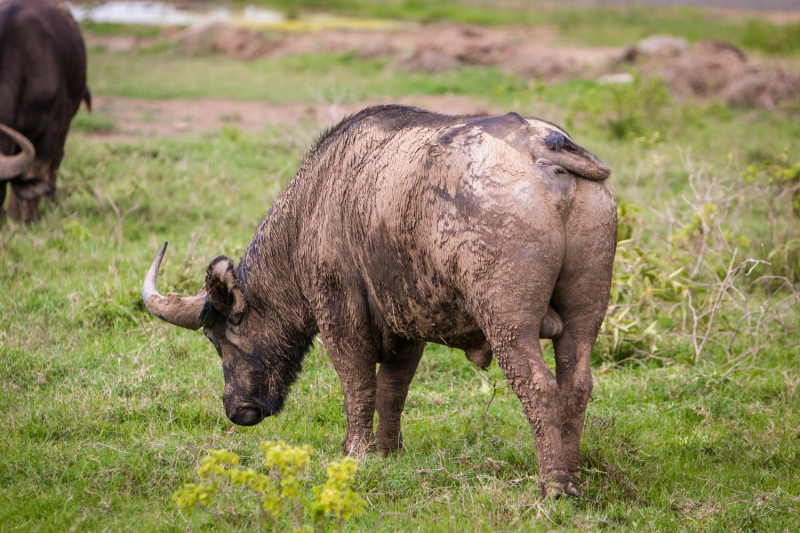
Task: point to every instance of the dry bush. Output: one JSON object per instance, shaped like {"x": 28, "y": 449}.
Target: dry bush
{"x": 706, "y": 288}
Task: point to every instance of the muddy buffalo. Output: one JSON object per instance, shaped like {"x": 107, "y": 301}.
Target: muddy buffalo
{"x": 404, "y": 227}
{"x": 42, "y": 84}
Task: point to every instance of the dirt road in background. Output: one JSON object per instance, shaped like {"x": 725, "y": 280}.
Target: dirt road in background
{"x": 137, "y": 118}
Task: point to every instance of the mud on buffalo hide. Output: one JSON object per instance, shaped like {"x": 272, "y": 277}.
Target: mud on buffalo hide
{"x": 404, "y": 227}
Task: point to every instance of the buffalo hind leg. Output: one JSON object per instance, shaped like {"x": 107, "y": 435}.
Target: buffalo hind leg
{"x": 574, "y": 379}
{"x": 394, "y": 378}
{"x": 535, "y": 385}
{"x": 581, "y": 301}
{"x": 573, "y": 372}
{"x": 582, "y": 307}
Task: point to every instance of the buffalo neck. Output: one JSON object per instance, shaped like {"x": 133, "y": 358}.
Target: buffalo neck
{"x": 267, "y": 273}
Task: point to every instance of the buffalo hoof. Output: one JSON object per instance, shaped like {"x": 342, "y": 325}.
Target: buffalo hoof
{"x": 356, "y": 447}
{"x": 388, "y": 446}
{"x": 557, "y": 489}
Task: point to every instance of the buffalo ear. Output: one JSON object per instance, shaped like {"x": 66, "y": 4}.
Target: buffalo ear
{"x": 224, "y": 290}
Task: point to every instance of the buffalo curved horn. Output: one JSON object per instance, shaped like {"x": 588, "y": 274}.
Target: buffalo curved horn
{"x": 189, "y": 313}
{"x": 14, "y": 165}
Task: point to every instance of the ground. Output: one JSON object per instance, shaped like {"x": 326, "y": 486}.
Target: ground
{"x": 138, "y": 117}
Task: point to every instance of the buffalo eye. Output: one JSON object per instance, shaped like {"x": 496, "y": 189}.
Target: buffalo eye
{"x": 212, "y": 338}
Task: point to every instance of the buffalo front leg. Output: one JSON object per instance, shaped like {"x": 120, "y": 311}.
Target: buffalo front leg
{"x": 344, "y": 327}
{"x": 394, "y": 378}
{"x": 359, "y": 385}
{"x": 21, "y": 210}
{"x": 2, "y": 200}
{"x": 38, "y": 182}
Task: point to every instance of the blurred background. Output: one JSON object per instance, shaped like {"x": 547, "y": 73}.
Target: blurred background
{"x": 735, "y": 52}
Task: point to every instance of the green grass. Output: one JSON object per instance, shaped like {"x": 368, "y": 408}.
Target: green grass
{"x": 331, "y": 77}
{"x": 92, "y": 123}
{"x": 107, "y": 29}
{"x": 105, "y": 411}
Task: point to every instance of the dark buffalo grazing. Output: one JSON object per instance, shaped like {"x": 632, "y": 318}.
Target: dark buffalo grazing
{"x": 404, "y": 227}
{"x": 42, "y": 84}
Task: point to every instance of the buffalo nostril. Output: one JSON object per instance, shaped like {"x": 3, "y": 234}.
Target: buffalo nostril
{"x": 247, "y": 415}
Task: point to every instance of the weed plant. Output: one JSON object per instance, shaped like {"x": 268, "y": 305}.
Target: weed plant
{"x": 278, "y": 492}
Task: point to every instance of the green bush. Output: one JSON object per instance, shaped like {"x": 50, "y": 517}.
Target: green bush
{"x": 626, "y": 110}
{"x": 780, "y": 183}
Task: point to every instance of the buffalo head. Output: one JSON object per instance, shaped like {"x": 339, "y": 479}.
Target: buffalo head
{"x": 257, "y": 377}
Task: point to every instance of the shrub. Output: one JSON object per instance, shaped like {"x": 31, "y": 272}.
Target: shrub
{"x": 625, "y": 110}
{"x": 706, "y": 286}
{"x": 780, "y": 184}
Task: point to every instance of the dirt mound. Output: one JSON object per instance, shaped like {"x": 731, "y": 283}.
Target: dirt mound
{"x": 705, "y": 71}
{"x": 763, "y": 88}
{"x": 718, "y": 70}
{"x": 218, "y": 38}
{"x": 432, "y": 48}
{"x": 246, "y": 44}
{"x": 458, "y": 45}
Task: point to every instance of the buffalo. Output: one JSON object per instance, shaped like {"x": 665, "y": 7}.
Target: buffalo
{"x": 403, "y": 227}
{"x": 42, "y": 84}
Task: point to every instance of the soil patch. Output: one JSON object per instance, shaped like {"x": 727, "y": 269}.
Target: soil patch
{"x": 136, "y": 118}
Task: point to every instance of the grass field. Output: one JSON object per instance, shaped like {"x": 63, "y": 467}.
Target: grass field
{"x": 694, "y": 422}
